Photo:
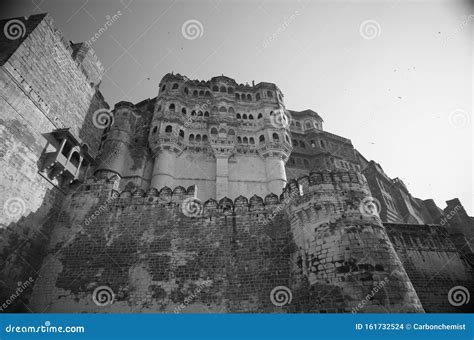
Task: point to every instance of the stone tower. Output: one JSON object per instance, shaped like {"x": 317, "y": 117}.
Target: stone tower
{"x": 343, "y": 259}
{"x": 226, "y": 138}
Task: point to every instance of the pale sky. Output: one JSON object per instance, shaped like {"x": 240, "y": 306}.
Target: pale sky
{"x": 404, "y": 97}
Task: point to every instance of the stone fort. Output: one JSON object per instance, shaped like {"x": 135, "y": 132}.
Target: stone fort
{"x": 211, "y": 197}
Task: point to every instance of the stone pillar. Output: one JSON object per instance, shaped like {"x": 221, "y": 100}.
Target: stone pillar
{"x": 222, "y": 176}
{"x": 342, "y": 259}
{"x": 163, "y": 169}
{"x": 276, "y": 174}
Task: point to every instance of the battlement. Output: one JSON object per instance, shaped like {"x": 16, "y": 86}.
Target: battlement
{"x": 317, "y": 178}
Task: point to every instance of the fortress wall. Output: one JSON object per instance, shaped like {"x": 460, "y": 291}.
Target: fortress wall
{"x": 343, "y": 260}
{"x": 37, "y": 95}
{"x": 154, "y": 257}
{"x": 433, "y": 264}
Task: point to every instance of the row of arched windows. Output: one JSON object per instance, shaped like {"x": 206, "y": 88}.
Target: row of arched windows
{"x": 307, "y": 125}
{"x": 222, "y": 89}
{"x": 250, "y": 116}
{"x": 197, "y": 139}
{"x": 223, "y": 132}
{"x": 298, "y": 161}
{"x": 302, "y": 144}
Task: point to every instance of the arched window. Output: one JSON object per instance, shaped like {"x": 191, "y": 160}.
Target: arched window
{"x": 191, "y": 138}
{"x": 238, "y": 116}
{"x": 181, "y": 133}
{"x": 298, "y": 125}
{"x": 154, "y": 130}
{"x": 249, "y": 97}
{"x": 183, "y": 111}
{"x": 242, "y": 96}
{"x": 75, "y": 159}
{"x": 261, "y": 139}
{"x": 313, "y": 144}
{"x": 198, "y": 138}
{"x": 252, "y": 141}
{"x": 215, "y": 88}
{"x": 163, "y": 88}
{"x": 223, "y": 89}
{"x": 305, "y": 162}
{"x": 275, "y": 136}
{"x": 175, "y": 86}
{"x": 295, "y": 142}
{"x": 193, "y": 113}
{"x": 207, "y": 94}
{"x": 172, "y": 107}
{"x": 257, "y": 96}
{"x": 195, "y": 93}
{"x": 204, "y": 138}
{"x": 231, "y": 110}
{"x": 308, "y": 125}
{"x": 244, "y": 116}
{"x": 214, "y": 109}
{"x": 269, "y": 94}
{"x": 302, "y": 144}
{"x": 251, "y": 117}
{"x": 237, "y": 96}
{"x": 169, "y": 129}
{"x": 159, "y": 108}
{"x": 222, "y": 132}
{"x": 186, "y": 90}
{"x": 245, "y": 140}
{"x": 199, "y": 113}
{"x": 201, "y": 93}
{"x": 292, "y": 161}
{"x": 322, "y": 144}
{"x": 213, "y": 131}
{"x": 230, "y": 90}
{"x": 206, "y": 114}
{"x": 239, "y": 140}
{"x": 231, "y": 132}
{"x": 222, "y": 109}
{"x": 259, "y": 116}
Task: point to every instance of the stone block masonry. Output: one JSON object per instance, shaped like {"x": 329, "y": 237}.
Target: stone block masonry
{"x": 42, "y": 88}
{"x": 153, "y": 256}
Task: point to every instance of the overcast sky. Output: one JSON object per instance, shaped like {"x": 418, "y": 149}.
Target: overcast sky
{"x": 395, "y": 77}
